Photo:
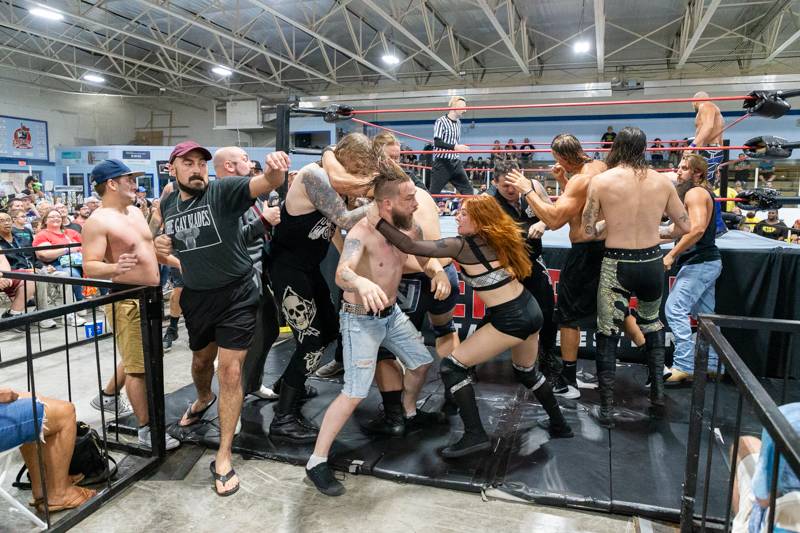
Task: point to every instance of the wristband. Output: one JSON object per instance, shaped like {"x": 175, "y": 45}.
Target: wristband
{"x": 693, "y": 145}
{"x": 527, "y": 193}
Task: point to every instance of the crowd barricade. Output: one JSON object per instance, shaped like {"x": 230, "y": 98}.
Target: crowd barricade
{"x": 753, "y": 396}
{"x": 140, "y": 461}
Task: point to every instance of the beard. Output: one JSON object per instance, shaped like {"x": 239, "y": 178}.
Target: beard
{"x": 401, "y": 221}
{"x": 683, "y": 188}
{"x": 190, "y": 190}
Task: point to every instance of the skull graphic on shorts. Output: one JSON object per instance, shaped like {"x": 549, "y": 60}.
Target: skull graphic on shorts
{"x": 299, "y": 313}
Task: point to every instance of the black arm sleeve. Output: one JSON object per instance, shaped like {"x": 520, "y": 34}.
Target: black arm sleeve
{"x": 448, "y": 247}
{"x": 439, "y": 143}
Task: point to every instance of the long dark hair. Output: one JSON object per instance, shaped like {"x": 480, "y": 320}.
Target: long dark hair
{"x": 628, "y": 149}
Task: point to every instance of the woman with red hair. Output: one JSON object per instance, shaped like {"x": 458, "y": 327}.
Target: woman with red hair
{"x": 493, "y": 258}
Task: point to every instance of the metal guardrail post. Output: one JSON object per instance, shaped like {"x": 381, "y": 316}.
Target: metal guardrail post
{"x": 695, "y": 433}
{"x": 151, "y": 307}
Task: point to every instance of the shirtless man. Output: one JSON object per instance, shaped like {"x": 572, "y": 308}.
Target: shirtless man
{"x": 369, "y": 272}
{"x": 631, "y": 198}
{"x": 431, "y": 291}
{"x": 118, "y": 245}
{"x": 580, "y": 276}
{"x": 708, "y": 126}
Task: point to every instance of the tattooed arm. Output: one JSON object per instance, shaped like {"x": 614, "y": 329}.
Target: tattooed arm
{"x": 368, "y": 293}
{"x": 591, "y": 212}
{"x": 327, "y": 200}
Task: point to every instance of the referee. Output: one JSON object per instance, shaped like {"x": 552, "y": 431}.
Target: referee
{"x": 447, "y": 166}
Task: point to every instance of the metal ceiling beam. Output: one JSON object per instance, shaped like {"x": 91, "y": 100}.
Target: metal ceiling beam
{"x": 408, "y": 35}
{"x": 489, "y": 13}
{"x": 92, "y": 68}
{"x": 156, "y": 5}
{"x": 99, "y": 51}
{"x": 321, "y": 38}
{"x": 174, "y": 49}
{"x": 64, "y": 78}
{"x": 600, "y": 34}
{"x": 698, "y": 30}
{"x": 783, "y": 46}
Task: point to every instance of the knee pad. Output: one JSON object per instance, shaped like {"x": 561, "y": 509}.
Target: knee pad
{"x": 444, "y": 329}
{"x": 530, "y": 378}
{"x": 654, "y": 339}
{"x": 454, "y": 375}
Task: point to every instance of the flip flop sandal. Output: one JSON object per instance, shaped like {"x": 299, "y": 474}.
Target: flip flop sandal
{"x": 77, "y": 501}
{"x": 77, "y": 478}
{"x": 223, "y": 479}
{"x": 195, "y": 417}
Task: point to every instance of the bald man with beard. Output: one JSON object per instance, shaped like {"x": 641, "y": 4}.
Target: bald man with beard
{"x": 256, "y": 224}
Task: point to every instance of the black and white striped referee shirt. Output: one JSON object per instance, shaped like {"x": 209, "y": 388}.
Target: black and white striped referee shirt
{"x": 446, "y": 134}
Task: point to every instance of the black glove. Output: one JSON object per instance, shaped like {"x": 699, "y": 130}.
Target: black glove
{"x": 337, "y": 112}
{"x": 769, "y": 147}
{"x": 759, "y": 199}
{"x": 769, "y": 104}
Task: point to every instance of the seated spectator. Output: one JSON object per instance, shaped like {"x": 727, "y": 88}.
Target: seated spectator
{"x": 510, "y": 145}
{"x": 495, "y": 156}
{"x": 657, "y": 156}
{"x": 730, "y": 192}
{"x": 741, "y": 169}
{"x": 750, "y": 221}
{"x": 738, "y": 186}
{"x": 794, "y": 232}
{"x": 526, "y": 145}
{"x": 62, "y": 259}
{"x": 772, "y": 227}
{"x": 57, "y": 427}
{"x": 675, "y": 156}
{"x": 753, "y": 480}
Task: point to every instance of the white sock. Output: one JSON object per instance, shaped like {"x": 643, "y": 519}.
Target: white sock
{"x": 12, "y": 312}
{"x": 412, "y": 414}
{"x": 315, "y": 460}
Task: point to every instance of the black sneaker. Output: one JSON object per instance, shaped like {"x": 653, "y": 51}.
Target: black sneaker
{"x": 390, "y": 423}
{"x": 563, "y": 389}
{"x": 468, "y": 444}
{"x": 169, "y": 337}
{"x": 322, "y": 478}
{"x": 425, "y": 419}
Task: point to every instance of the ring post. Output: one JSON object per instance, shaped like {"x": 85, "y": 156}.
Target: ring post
{"x": 282, "y": 139}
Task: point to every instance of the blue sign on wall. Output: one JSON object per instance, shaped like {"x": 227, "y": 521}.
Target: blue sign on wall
{"x": 135, "y": 154}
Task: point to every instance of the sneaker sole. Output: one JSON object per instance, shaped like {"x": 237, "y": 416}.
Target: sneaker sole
{"x": 571, "y": 394}
{"x": 475, "y": 448}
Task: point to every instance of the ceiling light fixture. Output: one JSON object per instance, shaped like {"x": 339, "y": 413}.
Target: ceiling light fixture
{"x": 581, "y": 47}
{"x": 390, "y": 59}
{"x": 94, "y": 78}
{"x": 46, "y": 13}
{"x": 222, "y": 71}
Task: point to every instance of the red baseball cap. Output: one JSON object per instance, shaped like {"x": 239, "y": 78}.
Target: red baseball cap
{"x": 185, "y": 147}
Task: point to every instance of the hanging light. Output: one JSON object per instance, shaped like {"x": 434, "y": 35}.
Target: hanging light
{"x": 222, "y": 71}
{"x": 45, "y": 13}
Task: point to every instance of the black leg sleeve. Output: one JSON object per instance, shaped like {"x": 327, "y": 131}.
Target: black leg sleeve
{"x": 456, "y": 379}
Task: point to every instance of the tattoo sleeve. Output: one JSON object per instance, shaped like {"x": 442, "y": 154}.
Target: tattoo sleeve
{"x": 345, "y": 277}
{"x": 351, "y": 246}
{"x": 327, "y": 201}
{"x": 347, "y": 280}
{"x": 590, "y": 213}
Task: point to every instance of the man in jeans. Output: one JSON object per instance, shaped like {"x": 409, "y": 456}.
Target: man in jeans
{"x": 700, "y": 265}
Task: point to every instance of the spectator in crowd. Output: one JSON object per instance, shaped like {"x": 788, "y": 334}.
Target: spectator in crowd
{"x": 675, "y": 156}
{"x": 608, "y": 137}
{"x": 28, "y": 208}
{"x": 141, "y": 198}
{"x": 741, "y": 169}
{"x": 766, "y": 166}
{"x": 56, "y": 424}
{"x": 92, "y": 202}
{"x": 657, "y": 145}
{"x": 794, "y": 233}
{"x": 442, "y": 208}
{"x": 772, "y": 227}
{"x": 469, "y": 166}
{"x": 482, "y": 189}
{"x": 81, "y": 215}
{"x": 550, "y": 191}
{"x": 730, "y": 192}
{"x": 20, "y": 230}
{"x": 750, "y": 221}
{"x": 16, "y": 290}
{"x": 494, "y": 156}
{"x": 753, "y": 480}
{"x": 510, "y": 145}
{"x": 67, "y": 260}
{"x": 33, "y": 187}
{"x": 526, "y": 157}
{"x": 738, "y": 186}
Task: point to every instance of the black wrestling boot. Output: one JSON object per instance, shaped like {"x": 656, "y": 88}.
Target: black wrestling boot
{"x": 456, "y": 378}
{"x": 606, "y": 371}
{"x": 289, "y": 424}
{"x": 557, "y": 426}
{"x": 308, "y": 392}
{"x": 654, "y": 342}
{"x": 390, "y": 422}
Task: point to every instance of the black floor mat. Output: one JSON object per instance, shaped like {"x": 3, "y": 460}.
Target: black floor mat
{"x": 637, "y": 467}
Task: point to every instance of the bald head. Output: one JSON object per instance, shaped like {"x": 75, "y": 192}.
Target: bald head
{"x": 699, "y": 94}
{"x": 231, "y": 161}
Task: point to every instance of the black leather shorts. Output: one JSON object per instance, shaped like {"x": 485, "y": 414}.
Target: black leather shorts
{"x": 520, "y": 317}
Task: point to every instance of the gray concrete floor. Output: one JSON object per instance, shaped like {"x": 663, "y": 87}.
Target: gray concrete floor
{"x": 273, "y": 496}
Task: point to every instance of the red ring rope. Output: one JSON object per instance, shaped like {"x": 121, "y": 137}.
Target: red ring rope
{"x": 541, "y": 150}
{"x": 551, "y": 105}
{"x": 490, "y": 169}
{"x": 450, "y": 196}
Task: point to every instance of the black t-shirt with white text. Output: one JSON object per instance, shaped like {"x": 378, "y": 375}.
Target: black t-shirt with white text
{"x": 206, "y": 233}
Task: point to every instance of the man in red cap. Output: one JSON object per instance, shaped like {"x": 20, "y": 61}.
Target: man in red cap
{"x": 219, "y": 301}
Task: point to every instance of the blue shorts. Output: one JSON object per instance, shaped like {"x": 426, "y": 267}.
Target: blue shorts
{"x": 17, "y": 424}
{"x": 362, "y": 335}
{"x": 176, "y": 277}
